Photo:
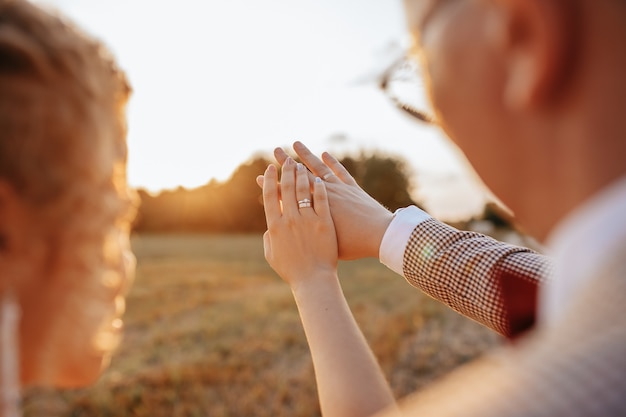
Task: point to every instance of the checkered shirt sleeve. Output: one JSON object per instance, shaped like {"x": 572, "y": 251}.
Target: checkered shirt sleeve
{"x": 574, "y": 367}
{"x": 472, "y": 273}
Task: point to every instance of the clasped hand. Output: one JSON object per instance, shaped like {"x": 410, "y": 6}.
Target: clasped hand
{"x": 360, "y": 221}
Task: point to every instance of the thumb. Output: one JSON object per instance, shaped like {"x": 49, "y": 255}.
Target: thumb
{"x": 267, "y": 246}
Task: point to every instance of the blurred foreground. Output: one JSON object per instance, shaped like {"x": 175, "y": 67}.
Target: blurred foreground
{"x": 212, "y": 331}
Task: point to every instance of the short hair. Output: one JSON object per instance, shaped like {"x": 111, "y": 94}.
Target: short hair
{"x": 62, "y": 109}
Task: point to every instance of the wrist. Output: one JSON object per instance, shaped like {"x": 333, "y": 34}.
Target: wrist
{"x": 378, "y": 232}
{"x": 321, "y": 281}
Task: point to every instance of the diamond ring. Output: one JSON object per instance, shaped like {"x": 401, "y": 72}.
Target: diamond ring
{"x": 304, "y": 203}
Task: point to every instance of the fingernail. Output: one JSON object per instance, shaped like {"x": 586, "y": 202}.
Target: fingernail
{"x": 318, "y": 179}
{"x": 288, "y": 161}
{"x": 299, "y": 166}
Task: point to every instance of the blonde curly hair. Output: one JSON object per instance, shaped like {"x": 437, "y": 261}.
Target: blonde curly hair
{"x": 63, "y": 151}
{"x": 62, "y": 98}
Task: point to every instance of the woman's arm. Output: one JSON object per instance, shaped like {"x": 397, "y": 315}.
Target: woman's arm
{"x": 349, "y": 379}
{"x": 301, "y": 247}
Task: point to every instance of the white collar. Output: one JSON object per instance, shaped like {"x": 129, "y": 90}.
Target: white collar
{"x": 581, "y": 244}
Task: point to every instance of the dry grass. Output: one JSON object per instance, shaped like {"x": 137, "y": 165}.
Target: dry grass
{"x": 212, "y": 331}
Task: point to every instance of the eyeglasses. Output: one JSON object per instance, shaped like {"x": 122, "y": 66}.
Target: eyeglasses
{"x": 402, "y": 82}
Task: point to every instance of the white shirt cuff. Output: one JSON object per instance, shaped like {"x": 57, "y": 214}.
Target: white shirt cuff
{"x": 397, "y": 236}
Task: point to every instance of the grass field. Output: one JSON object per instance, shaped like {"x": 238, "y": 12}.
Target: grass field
{"x": 212, "y": 331}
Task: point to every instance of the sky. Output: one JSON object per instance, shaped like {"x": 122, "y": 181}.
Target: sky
{"x": 218, "y": 82}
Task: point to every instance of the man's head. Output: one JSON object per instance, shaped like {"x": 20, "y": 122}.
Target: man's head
{"x": 64, "y": 203}
{"x": 530, "y": 90}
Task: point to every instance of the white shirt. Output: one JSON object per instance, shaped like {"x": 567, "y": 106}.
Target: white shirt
{"x": 579, "y": 245}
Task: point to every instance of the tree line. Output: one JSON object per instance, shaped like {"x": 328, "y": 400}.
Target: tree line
{"x": 236, "y": 206}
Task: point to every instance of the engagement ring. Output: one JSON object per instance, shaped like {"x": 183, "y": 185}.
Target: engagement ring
{"x": 304, "y": 203}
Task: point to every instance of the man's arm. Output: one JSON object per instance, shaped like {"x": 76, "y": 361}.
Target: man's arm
{"x": 489, "y": 281}
{"x": 492, "y": 282}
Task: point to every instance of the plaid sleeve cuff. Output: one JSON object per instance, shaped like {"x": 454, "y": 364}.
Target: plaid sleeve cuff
{"x": 394, "y": 242}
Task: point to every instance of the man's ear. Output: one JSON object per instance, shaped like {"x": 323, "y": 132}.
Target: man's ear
{"x": 539, "y": 40}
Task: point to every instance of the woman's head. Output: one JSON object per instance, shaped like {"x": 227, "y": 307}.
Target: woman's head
{"x": 65, "y": 208}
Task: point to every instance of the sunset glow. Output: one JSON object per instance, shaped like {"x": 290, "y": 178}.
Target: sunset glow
{"x": 218, "y": 82}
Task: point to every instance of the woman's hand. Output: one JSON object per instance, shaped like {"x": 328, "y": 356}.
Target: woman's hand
{"x": 301, "y": 245}
{"x": 300, "y": 241}
{"x": 359, "y": 219}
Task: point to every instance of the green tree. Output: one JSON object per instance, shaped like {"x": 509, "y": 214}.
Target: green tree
{"x": 385, "y": 178}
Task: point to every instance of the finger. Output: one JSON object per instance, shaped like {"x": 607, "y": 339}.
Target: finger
{"x": 280, "y": 155}
{"x": 313, "y": 162}
{"x": 303, "y": 189}
{"x": 288, "y": 187}
{"x": 339, "y": 170}
{"x": 271, "y": 202}
{"x": 321, "y": 198}
{"x": 261, "y": 179}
